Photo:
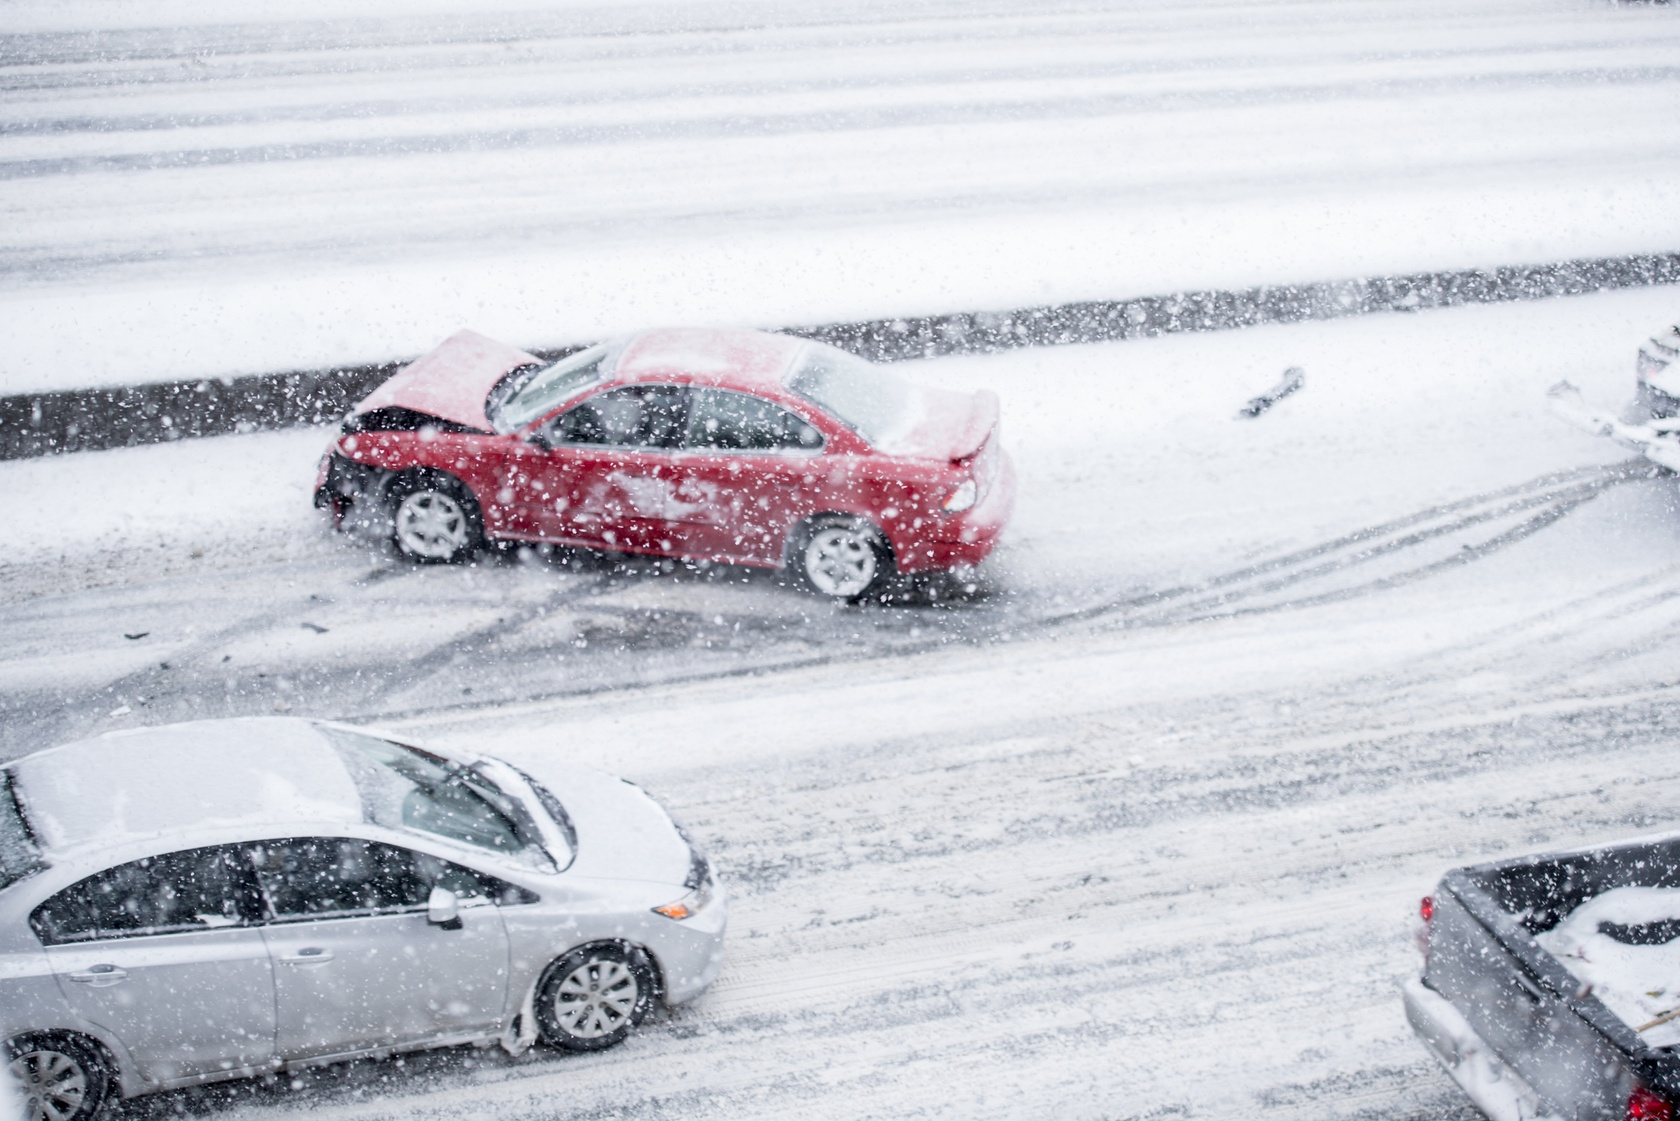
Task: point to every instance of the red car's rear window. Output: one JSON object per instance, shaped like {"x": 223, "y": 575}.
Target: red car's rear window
{"x": 878, "y": 405}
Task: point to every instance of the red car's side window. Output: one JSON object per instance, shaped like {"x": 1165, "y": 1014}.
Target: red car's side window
{"x": 721, "y": 420}
{"x": 633, "y": 416}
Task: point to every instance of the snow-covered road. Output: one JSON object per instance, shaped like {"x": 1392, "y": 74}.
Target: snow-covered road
{"x": 1134, "y": 827}
{"x": 185, "y": 197}
{"x": 1158, "y": 859}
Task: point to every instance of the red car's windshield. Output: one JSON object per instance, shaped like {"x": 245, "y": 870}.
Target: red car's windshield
{"x": 878, "y": 405}
{"x": 517, "y": 403}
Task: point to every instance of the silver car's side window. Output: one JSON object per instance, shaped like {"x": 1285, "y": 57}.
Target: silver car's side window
{"x": 313, "y": 876}
{"x": 199, "y": 889}
{"x": 323, "y": 877}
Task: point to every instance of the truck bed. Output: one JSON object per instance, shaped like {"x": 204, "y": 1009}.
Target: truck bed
{"x": 1520, "y": 1032}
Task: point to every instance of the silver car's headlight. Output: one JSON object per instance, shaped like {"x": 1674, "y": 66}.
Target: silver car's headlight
{"x": 700, "y": 887}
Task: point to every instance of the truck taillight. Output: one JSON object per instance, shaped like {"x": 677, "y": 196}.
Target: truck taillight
{"x": 1426, "y": 910}
{"x": 1643, "y": 1105}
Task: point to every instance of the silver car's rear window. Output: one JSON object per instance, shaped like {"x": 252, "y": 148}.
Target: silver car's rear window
{"x": 18, "y": 855}
{"x": 877, "y": 404}
{"x": 403, "y": 787}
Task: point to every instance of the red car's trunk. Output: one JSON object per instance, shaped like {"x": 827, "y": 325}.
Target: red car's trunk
{"x": 953, "y": 426}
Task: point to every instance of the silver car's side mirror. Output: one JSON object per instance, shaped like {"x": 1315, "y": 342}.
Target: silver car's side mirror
{"x": 442, "y": 909}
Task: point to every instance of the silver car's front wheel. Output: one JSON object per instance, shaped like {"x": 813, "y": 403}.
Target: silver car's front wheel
{"x": 61, "y": 1080}
{"x": 593, "y": 997}
{"x": 435, "y": 520}
{"x": 842, "y": 558}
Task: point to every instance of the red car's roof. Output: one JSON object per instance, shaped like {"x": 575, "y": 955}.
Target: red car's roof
{"x": 709, "y": 356}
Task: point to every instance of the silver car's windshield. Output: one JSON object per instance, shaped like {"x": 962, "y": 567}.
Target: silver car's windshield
{"x": 517, "y": 403}
{"x": 405, "y": 788}
{"x": 878, "y": 405}
{"x": 18, "y": 855}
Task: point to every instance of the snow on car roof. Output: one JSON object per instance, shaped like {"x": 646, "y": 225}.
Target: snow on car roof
{"x": 731, "y": 357}
{"x": 154, "y": 781}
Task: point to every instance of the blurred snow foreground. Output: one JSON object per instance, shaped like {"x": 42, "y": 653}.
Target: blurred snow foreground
{"x": 192, "y": 193}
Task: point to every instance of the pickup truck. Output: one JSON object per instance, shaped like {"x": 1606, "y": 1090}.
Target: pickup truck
{"x": 1548, "y": 982}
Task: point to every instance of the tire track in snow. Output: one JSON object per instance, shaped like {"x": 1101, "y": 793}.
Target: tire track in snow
{"x": 678, "y": 639}
{"x": 1551, "y": 496}
{"x": 414, "y": 672}
{"x": 1534, "y": 505}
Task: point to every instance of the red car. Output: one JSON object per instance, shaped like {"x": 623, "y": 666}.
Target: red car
{"x": 731, "y": 446}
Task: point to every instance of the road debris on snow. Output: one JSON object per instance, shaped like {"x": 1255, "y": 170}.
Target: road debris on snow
{"x": 1657, "y": 440}
{"x": 1293, "y": 378}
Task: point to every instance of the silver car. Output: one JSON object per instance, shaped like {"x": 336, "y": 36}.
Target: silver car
{"x": 229, "y": 898}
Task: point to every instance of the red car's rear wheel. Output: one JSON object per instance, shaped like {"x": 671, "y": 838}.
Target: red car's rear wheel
{"x": 843, "y": 557}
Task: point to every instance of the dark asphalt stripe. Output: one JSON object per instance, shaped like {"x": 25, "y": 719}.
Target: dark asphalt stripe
{"x": 91, "y": 419}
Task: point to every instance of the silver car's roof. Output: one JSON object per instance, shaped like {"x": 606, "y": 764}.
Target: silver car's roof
{"x": 148, "y": 781}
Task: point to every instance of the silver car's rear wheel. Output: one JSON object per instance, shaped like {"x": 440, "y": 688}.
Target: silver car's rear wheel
{"x": 61, "y": 1079}
{"x": 842, "y": 557}
{"x": 593, "y": 997}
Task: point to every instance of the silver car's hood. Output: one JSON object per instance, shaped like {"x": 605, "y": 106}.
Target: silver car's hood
{"x": 622, "y": 833}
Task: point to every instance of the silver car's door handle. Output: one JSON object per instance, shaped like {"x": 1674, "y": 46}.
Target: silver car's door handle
{"x": 309, "y": 955}
{"x": 100, "y": 976}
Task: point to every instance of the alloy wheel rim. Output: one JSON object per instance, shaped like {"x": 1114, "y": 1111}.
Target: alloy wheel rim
{"x": 596, "y": 998}
{"x": 840, "y": 562}
{"x": 54, "y": 1084}
{"x": 431, "y": 524}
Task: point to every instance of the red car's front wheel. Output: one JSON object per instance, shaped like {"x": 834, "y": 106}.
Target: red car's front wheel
{"x": 434, "y": 519}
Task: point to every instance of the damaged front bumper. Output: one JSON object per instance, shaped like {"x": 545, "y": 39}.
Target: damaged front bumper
{"x": 343, "y": 485}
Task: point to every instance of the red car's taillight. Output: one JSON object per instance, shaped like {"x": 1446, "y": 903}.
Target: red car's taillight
{"x": 1643, "y": 1105}
{"x": 965, "y": 495}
